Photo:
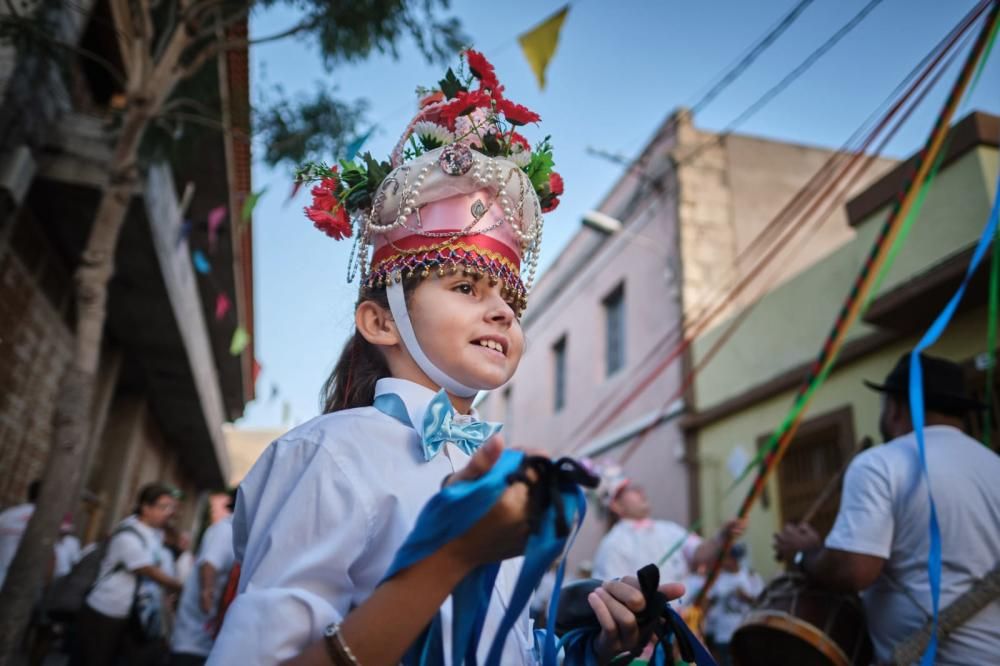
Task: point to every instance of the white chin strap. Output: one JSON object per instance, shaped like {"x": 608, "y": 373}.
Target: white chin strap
{"x": 397, "y": 305}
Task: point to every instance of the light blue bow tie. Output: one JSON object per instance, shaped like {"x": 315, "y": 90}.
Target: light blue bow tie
{"x": 441, "y": 424}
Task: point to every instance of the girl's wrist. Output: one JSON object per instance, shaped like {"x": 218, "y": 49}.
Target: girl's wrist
{"x": 455, "y": 559}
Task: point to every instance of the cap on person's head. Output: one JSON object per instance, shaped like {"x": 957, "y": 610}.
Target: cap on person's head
{"x": 66, "y": 526}
{"x": 943, "y": 384}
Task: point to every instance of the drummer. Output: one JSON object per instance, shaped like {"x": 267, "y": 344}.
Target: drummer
{"x": 880, "y": 540}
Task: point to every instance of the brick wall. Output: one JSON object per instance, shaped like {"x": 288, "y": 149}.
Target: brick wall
{"x": 35, "y": 346}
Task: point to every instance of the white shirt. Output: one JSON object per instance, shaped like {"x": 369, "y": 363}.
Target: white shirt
{"x": 67, "y": 554}
{"x": 729, "y": 602}
{"x": 112, "y": 594}
{"x": 193, "y": 628}
{"x": 13, "y": 522}
{"x": 632, "y": 544}
{"x": 185, "y": 565}
{"x": 318, "y": 520}
{"x": 884, "y": 512}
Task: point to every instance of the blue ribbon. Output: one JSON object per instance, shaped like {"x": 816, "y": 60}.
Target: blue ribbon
{"x": 451, "y": 513}
{"x": 917, "y": 413}
{"x": 440, "y": 424}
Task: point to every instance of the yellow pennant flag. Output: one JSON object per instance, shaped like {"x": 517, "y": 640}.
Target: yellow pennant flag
{"x": 239, "y": 342}
{"x": 540, "y": 42}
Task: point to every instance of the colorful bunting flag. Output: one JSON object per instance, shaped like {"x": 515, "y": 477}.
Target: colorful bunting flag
{"x": 216, "y": 217}
{"x": 539, "y": 43}
{"x": 274, "y": 393}
{"x": 250, "y": 204}
{"x": 184, "y": 231}
{"x": 239, "y": 342}
{"x": 355, "y": 146}
{"x": 201, "y": 262}
{"x": 222, "y": 305}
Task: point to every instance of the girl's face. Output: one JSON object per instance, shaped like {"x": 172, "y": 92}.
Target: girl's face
{"x": 467, "y": 329}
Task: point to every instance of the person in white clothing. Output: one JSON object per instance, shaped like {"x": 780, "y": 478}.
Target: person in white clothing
{"x": 880, "y": 541}
{"x": 13, "y": 523}
{"x": 442, "y": 232}
{"x": 636, "y": 539}
{"x": 729, "y": 600}
{"x": 134, "y": 552}
{"x": 67, "y": 548}
{"x": 194, "y": 630}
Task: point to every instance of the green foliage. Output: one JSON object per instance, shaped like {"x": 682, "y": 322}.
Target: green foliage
{"x": 450, "y": 85}
{"x": 350, "y": 30}
{"x": 541, "y": 165}
{"x": 295, "y": 130}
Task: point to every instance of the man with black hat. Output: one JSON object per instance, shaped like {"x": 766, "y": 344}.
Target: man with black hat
{"x": 880, "y": 541}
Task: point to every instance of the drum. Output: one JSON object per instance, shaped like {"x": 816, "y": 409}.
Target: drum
{"x": 796, "y": 623}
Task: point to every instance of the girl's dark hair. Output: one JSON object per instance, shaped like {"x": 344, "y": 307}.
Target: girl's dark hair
{"x": 361, "y": 364}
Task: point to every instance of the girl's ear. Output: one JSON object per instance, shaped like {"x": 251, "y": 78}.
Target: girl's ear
{"x": 376, "y": 325}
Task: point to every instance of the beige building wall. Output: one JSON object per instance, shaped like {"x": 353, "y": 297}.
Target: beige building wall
{"x": 244, "y": 446}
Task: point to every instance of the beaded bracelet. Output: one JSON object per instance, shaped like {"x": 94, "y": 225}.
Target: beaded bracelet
{"x": 337, "y": 650}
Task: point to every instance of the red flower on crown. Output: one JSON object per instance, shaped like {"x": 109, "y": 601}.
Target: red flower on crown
{"x": 516, "y": 114}
{"x": 326, "y": 212}
{"x": 482, "y": 70}
{"x": 518, "y": 140}
{"x": 463, "y": 103}
{"x": 555, "y": 184}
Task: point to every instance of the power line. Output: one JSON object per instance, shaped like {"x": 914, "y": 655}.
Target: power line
{"x": 733, "y": 71}
{"x": 741, "y": 66}
{"x": 788, "y": 79}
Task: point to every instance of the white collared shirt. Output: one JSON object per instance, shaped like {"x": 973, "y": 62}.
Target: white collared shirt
{"x": 127, "y": 551}
{"x": 194, "y": 629}
{"x": 318, "y": 520}
{"x": 632, "y": 544}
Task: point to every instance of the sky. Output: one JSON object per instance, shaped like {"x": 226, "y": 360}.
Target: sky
{"x": 619, "y": 70}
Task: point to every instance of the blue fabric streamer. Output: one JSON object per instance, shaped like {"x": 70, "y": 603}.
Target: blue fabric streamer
{"x": 917, "y": 412}
{"x": 451, "y": 513}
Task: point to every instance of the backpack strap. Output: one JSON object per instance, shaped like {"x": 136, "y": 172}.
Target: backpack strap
{"x": 119, "y": 566}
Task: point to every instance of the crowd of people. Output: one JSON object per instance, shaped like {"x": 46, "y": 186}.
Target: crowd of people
{"x": 137, "y": 596}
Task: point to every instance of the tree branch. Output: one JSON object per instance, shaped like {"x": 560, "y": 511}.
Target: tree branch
{"x": 143, "y": 17}
{"x": 212, "y": 123}
{"x": 28, "y": 25}
{"x": 126, "y": 37}
{"x": 223, "y": 24}
{"x": 223, "y": 46}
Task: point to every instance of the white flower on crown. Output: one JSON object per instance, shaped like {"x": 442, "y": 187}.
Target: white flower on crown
{"x": 439, "y": 133}
{"x": 520, "y": 155}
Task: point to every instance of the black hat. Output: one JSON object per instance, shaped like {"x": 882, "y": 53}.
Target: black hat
{"x": 944, "y": 384}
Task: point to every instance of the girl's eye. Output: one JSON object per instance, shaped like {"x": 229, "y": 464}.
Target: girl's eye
{"x": 463, "y": 288}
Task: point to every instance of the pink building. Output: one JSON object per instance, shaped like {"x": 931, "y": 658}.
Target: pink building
{"x": 677, "y": 226}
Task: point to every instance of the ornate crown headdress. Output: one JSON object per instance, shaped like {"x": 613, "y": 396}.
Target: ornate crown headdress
{"x": 462, "y": 190}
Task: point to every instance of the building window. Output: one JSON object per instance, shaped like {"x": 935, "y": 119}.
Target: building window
{"x": 559, "y": 368}
{"x": 614, "y": 318}
{"x": 822, "y": 447}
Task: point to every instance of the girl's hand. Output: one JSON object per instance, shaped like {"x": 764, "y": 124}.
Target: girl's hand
{"x": 503, "y": 532}
{"x": 615, "y": 603}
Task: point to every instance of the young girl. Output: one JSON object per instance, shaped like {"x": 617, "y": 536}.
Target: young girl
{"x": 321, "y": 515}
